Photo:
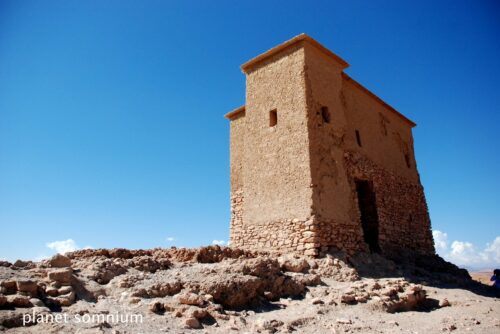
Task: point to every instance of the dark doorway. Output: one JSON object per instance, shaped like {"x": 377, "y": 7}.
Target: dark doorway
{"x": 369, "y": 216}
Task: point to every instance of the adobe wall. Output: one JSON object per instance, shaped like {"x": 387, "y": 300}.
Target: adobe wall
{"x": 276, "y": 197}
{"x": 386, "y": 138}
{"x": 236, "y": 157}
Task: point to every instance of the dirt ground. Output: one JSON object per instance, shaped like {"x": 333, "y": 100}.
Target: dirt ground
{"x": 220, "y": 290}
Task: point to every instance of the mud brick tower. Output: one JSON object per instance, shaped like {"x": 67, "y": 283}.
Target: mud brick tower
{"x": 318, "y": 162}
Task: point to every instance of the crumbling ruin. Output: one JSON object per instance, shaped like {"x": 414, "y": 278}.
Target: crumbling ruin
{"x": 319, "y": 162}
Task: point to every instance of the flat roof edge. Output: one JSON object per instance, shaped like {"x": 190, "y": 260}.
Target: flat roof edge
{"x": 302, "y": 37}
{"x": 232, "y": 114}
{"x": 366, "y": 90}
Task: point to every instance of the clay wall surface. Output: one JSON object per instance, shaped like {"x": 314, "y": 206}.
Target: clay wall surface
{"x": 277, "y": 192}
{"x": 276, "y": 159}
{"x": 385, "y": 137}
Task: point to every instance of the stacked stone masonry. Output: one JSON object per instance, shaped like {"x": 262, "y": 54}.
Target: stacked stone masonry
{"x": 294, "y": 178}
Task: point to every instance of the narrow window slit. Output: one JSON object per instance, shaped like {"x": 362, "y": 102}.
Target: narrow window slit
{"x": 407, "y": 159}
{"x": 325, "y": 114}
{"x": 273, "y": 118}
{"x": 358, "y": 138}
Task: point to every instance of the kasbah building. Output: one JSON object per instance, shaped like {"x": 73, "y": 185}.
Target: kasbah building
{"x": 318, "y": 163}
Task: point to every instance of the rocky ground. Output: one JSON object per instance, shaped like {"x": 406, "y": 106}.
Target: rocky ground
{"x": 224, "y": 290}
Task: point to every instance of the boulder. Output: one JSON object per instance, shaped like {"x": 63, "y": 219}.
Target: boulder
{"x": 28, "y": 287}
{"x": 192, "y": 322}
{"x": 294, "y": 265}
{"x": 21, "y": 264}
{"x": 19, "y": 301}
{"x": 9, "y": 287}
{"x": 317, "y": 301}
{"x": 444, "y": 303}
{"x": 348, "y": 299}
{"x": 52, "y": 291}
{"x": 59, "y": 261}
{"x": 190, "y": 298}
{"x": 157, "y": 307}
{"x": 5, "y": 264}
{"x": 62, "y": 276}
{"x": 64, "y": 290}
{"x": 63, "y": 300}
{"x": 196, "y": 312}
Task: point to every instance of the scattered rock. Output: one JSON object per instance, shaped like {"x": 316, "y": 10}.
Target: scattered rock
{"x": 190, "y": 298}
{"x": 348, "y": 299}
{"x": 18, "y": 301}
{"x": 343, "y": 321}
{"x": 5, "y": 264}
{"x": 62, "y": 300}
{"x": 64, "y": 290}
{"x": 62, "y": 276}
{"x": 21, "y": 264}
{"x": 196, "y": 312}
{"x": 267, "y": 325}
{"x": 157, "y": 307}
{"x": 9, "y": 287}
{"x": 52, "y": 291}
{"x": 317, "y": 301}
{"x": 192, "y": 322}
{"x": 59, "y": 261}
{"x": 444, "y": 303}
{"x": 294, "y": 265}
{"x": 28, "y": 287}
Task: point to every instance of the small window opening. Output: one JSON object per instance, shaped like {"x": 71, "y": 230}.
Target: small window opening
{"x": 273, "y": 118}
{"x": 407, "y": 159}
{"x": 325, "y": 114}
{"x": 358, "y": 138}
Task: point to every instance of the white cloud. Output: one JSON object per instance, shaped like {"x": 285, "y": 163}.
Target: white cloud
{"x": 63, "y": 246}
{"x": 170, "y": 239}
{"x": 440, "y": 240}
{"x": 464, "y": 253}
{"x": 218, "y": 242}
{"x": 492, "y": 250}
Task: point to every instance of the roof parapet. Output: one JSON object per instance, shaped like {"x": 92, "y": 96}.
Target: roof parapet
{"x": 234, "y": 113}
{"x": 378, "y": 99}
{"x": 246, "y": 67}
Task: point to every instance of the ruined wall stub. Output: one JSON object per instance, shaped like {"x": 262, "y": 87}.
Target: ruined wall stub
{"x": 294, "y": 184}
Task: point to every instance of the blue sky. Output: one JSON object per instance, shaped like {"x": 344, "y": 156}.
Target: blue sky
{"x": 111, "y": 112}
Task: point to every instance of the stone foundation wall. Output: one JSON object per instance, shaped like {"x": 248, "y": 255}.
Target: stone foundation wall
{"x": 347, "y": 237}
{"x": 404, "y": 223}
{"x": 286, "y": 236}
{"x": 236, "y": 216}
